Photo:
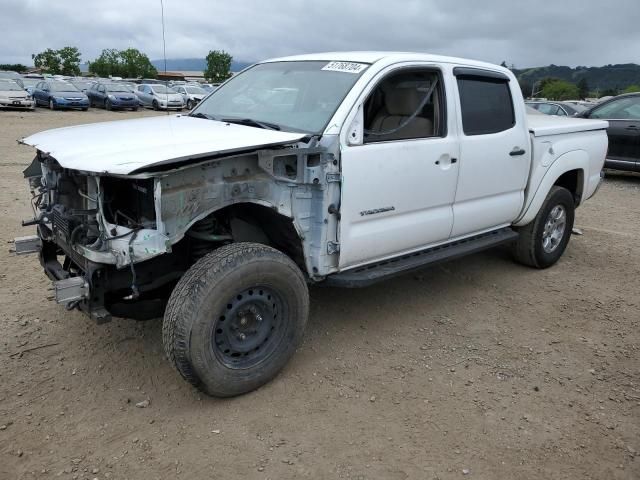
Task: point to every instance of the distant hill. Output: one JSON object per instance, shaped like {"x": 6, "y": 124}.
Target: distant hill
{"x": 598, "y": 78}
{"x": 192, "y": 65}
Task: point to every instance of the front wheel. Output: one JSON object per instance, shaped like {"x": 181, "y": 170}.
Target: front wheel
{"x": 235, "y": 318}
{"x": 155, "y": 105}
{"x": 52, "y": 104}
{"x": 189, "y": 104}
{"x": 108, "y": 105}
{"x": 542, "y": 242}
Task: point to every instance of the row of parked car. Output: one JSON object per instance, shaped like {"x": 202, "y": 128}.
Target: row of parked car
{"x": 81, "y": 93}
{"x": 622, "y": 113}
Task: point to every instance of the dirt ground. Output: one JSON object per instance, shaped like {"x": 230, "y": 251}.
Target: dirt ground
{"x": 479, "y": 368}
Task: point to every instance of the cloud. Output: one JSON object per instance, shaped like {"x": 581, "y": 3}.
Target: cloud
{"x": 570, "y": 32}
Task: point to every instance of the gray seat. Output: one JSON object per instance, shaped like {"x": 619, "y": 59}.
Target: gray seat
{"x": 400, "y": 104}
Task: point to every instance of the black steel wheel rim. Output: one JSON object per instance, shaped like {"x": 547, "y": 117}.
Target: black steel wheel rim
{"x": 250, "y": 327}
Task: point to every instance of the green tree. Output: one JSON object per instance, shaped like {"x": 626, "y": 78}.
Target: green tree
{"x": 14, "y": 67}
{"x": 560, "y": 90}
{"x": 129, "y": 63}
{"x": 632, "y": 89}
{"x": 69, "y": 60}
{"x": 609, "y": 92}
{"x": 134, "y": 63}
{"x": 583, "y": 88}
{"x": 48, "y": 61}
{"x": 65, "y": 61}
{"x": 218, "y": 66}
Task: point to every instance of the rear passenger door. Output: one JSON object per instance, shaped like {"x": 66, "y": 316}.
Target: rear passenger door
{"x": 495, "y": 151}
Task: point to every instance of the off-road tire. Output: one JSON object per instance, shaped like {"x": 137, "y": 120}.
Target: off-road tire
{"x": 528, "y": 249}
{"x": 196, "y": 308}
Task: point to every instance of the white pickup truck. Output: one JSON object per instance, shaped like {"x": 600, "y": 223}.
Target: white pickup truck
{"x": 339, "y": 169}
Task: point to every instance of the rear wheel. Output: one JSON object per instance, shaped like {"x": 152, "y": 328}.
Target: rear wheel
{"x": 544, "y": 240}
{"x": 236, "y": 318}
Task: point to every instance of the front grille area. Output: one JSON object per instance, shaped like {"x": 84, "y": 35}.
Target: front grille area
{"x": 60, "y": 222}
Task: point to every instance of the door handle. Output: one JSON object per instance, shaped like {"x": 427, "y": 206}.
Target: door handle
{"x": 453, "y": 160}
{"x": 632, "y": 127}
{"x": 517, "y": 152}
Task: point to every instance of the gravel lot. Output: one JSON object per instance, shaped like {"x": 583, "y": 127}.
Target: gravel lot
{"x": 478, "y": 368}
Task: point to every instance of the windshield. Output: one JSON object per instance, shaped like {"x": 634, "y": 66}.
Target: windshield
{"x": 196, "y": 90}
{"x": 114, "y": 87}
{"x": 300, "y": 95}
{"x": 84, "y": 85}
{"x": 62, "y": 87}
{"x": 9, "y": 86}
{"x": 163, "y": 89}
{"x": 31, "y": 82}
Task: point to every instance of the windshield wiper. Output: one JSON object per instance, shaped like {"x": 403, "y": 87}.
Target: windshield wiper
{"x": 202, "y": 115}
{"x": 250, "y": 122}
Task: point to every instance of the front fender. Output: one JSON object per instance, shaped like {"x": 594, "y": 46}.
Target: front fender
{"x": 574, "y": 160}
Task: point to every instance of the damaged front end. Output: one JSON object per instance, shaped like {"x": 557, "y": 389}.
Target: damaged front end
{"x": 116, "y": 244}
{"x": 90, "y": 227}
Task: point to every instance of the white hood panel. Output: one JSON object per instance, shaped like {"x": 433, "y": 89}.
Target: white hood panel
{"x": 124, "y": 146}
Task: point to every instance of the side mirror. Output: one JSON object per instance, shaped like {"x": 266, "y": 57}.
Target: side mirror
{"x": 354, "y": 134}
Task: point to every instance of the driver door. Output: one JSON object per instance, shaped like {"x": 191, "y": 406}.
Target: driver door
{"x": 399, "y": 181}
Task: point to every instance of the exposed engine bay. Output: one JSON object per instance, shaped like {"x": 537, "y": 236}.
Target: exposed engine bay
{"x": 116, "y": 244}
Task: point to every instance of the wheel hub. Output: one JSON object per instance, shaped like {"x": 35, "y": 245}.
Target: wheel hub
{"x": 554, "y": 228}
{"x": 244, "y": 331}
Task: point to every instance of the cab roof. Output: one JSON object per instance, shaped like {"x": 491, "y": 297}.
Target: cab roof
{"x": 372, "y": 57}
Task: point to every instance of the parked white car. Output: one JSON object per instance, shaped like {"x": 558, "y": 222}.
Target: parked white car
{"x": 13, "y": 95}
{"x": 340, "y": 169}
{"x": 191, "y": 94}
{"x": 159, "y": 97}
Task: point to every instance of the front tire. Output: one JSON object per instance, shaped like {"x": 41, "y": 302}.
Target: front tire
{"x": 235, "y": 318}
{"x": 155, "y": 105}
{"x": 543, "y": 241}
{"x": 189, "y": 104}
{"x": 108, "y": 105}
{"x": 52, "y": 105}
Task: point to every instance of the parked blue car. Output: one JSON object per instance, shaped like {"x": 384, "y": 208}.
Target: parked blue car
{"x": 57, "y": 95}
{"x": 112, "y": 96}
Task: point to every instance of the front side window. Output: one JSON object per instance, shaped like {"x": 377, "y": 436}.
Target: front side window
{"x": 405, "y": 105}
{"x": 486, "y": 105}
{"x": 621, "y": 109}
{"x": 297, "y": 96}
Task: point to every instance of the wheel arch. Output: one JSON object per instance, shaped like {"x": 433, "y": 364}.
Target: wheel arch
{"x": 259, "y": 222}
{"x": 569, "y": 171}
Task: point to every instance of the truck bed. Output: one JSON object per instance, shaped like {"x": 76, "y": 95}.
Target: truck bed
{"x": 543, "y": 125}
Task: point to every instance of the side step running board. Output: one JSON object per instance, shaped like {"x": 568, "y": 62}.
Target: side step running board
{"x": 370, "y": 274}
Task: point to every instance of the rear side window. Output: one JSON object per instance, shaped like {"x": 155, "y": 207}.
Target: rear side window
{"x": 486, "y": 105}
